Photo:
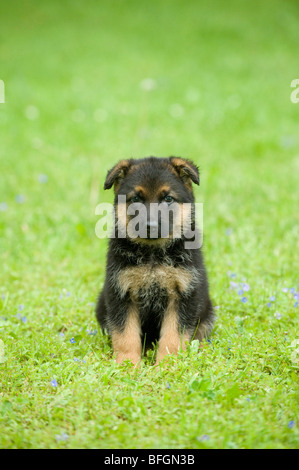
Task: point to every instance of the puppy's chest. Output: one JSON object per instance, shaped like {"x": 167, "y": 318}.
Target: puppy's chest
{"x": 154, "y": 283}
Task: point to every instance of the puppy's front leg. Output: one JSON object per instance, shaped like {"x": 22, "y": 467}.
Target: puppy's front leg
{"x": 171, "y": 339}
{"x": 126, "y": 342}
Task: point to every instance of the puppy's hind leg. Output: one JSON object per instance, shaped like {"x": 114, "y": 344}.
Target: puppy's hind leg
{"x": 205, "y": 326}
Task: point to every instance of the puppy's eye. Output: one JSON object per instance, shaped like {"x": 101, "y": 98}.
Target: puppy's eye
{"x": 135, "y": 199}
{"x": 168, "y": 199}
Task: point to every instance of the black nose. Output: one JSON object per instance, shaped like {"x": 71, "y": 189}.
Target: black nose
{"x": 152, "y": 229}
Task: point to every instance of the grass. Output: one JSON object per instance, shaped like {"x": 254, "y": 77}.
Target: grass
{"x": 87, "y": 84}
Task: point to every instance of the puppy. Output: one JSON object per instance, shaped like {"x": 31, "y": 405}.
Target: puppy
{"x": 156, "y": 286}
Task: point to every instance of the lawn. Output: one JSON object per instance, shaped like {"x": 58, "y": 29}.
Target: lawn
{"x": 89, "y": 83}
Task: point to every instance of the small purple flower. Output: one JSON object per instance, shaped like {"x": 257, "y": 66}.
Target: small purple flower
{"x": 269, "y": 304}
{"x": 24, "y": 319}
{"x": 244, "y": 300}
{"x": 54, "y": 383}
{"x": 3, "y": 296}
{"x": 92, "y": 332}
{"x": 72, "y": 340}
{"x": 205, "y": 437}
{"x": 42, "y": 178}
{"x": 292, "y": 290}
{"x": 233, "y": 285}
{"x": 167, "y": 385}
{"x": 286, "y": 141}
{"x": 246, "y": 287}
{"x": 3, "y": 206}
{"x": 76, "y": 359}
{"x": 285, "y": 289}
{"x": 241, "y": 292}
{"x": 291, "y": 424}
{"x": 277, "y": 315}
{"x": 272, "y": 298}
{"x": 296, "y": 296}
{"x": 20, "y": 199}
{"x": 233, "y": 275}
{"x": 21, "y": 307}
{"x": 296, "y": 304}
{"x": 62, "y": 437}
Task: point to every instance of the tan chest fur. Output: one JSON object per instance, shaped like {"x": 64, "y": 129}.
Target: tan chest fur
{"x": 172, "y": 279}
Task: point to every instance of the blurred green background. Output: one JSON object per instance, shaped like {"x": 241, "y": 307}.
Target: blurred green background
{"x": 89, "y": 83}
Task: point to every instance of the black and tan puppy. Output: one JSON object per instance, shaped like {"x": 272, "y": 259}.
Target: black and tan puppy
{"x": 156, "y": 287}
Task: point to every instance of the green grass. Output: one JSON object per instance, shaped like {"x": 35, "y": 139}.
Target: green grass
{"x": 75, "y": 104}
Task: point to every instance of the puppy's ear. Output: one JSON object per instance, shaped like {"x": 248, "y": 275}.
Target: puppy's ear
{"x": 186, "y": 170}
{"x": 117, "y": 173}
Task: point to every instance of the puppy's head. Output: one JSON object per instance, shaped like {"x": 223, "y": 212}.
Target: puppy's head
{"x": 153, "y": 197}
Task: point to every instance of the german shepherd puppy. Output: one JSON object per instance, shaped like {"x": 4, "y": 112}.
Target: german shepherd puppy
{"x": 156, "y": 288}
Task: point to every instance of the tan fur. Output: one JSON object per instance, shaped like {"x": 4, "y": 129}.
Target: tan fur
{"x": 182, "y": 220}
{"x": 170, "y": 278}
{"x": 148, "y": 193}
{"x": 164, "y": 189}
{"x": 141, "y": 190}
{"x": 171, "y": 339}
{"x": 117, "y": 173}
{"x": 127, "y": 344}
{"x": 177, "y": 161}
{"x": 180, "y": 164}
{"x": 142, "y": 277}
{"x": 161, "y": 242}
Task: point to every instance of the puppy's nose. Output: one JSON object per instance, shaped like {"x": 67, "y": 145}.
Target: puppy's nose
{"x": 152, "y": 229}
